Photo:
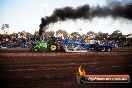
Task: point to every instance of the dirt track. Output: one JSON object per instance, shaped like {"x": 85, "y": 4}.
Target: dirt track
{"x": 23, "y": 69}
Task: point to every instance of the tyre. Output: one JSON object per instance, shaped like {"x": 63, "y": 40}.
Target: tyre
{"x": 102, "y": 49}
{"x": 109, "y": 49}
{"x": 96, "y": 49}
{"x": 35, "y": 50}
{"x": 53, "y": 47}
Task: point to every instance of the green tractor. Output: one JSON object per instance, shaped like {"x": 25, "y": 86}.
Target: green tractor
{"x": 52, "y": 44}
{"x": 39, "y": 46}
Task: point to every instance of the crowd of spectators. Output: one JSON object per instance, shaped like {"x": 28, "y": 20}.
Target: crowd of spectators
{"x": 26, "y": 43}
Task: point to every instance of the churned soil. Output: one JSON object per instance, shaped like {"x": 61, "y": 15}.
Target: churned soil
{"x": 21, "y": 68}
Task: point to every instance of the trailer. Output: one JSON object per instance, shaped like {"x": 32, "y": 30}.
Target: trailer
{"x": 81, "y": 46}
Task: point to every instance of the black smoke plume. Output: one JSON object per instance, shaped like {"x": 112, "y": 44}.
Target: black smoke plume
{"x": 114, "y": 9}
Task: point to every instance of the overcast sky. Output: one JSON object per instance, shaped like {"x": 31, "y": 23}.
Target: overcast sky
{"x": 25, "y": 15}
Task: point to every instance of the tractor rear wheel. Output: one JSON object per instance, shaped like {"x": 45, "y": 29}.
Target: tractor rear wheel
{"x": 53, "y": 47}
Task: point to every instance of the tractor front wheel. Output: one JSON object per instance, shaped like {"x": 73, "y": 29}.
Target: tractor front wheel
{"x": 35, "y": 49}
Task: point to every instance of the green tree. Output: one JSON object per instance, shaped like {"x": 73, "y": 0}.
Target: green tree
{"x": 101, "y": 35}
{"x": 116, "y": 35}
{"x": 91, "y": 34}
{"x": 49, "y": 34}
{"x": 65, "y": 34}
{"x": 75, "y": 36}
{"x": 5, "y": 28}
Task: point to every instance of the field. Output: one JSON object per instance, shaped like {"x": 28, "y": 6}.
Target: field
{"x": 20, "y": 68}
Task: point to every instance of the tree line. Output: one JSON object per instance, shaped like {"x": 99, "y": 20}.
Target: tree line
{"x": 116, "y": 35}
